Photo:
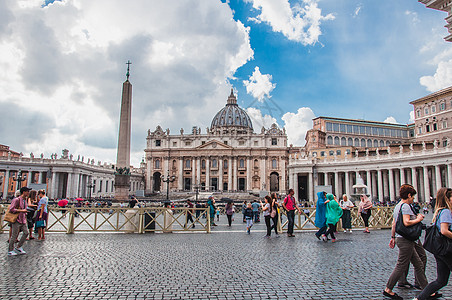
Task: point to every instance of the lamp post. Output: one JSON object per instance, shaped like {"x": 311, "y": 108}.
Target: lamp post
{"x": 90, "y": 185}
{"x": 19, "y": 178}
{"x": 168, "y": 180}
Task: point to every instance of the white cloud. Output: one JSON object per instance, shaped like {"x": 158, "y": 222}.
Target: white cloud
{"x": 300, "y": 23}
{"x": 390, "y": 119}
{"x": 441, "y": 79}
{"x": 357, "y": 10}
{"x": 297, "y": 124}
{"x": 413, "y": 15}
{"x": 66, "y": 63}
{"x": 412, "y": 119}
{"x": 260, "y": 120}
{"x": 259, "y": 85}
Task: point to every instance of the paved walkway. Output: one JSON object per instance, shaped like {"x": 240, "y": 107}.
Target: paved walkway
{"x": 227, "y": 264}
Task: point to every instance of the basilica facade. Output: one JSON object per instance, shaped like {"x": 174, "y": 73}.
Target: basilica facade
{"x": 228, "y": 157}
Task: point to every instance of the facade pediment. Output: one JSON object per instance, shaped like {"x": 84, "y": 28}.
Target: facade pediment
{"x": 217, "y": 145}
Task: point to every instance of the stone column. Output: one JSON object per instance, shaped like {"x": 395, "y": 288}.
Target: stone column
{"x": 426, "y": 185}
{"x": 39, "y": 177}
{"x": 69, "y": 186}
{"x": 380, "y": 186}
{"x": 336, "y": 183}
{"x": 283, "y": 185}
{"x": 374, "y": 184}
{"x": 166, "y": 172}
{"x": 6, "y": 184}
{"x": 397, "y": 181}
{"x": 414, "y": 179}
{"x": 234, "y": 178}
{"x": 248, "y": 174}
{"x": 180, "y": 179}
{"x": 77, "y": 186}
{"x": 263, "y": 172}
{"x": 198, "y": 170}
{"x": 369, "y": 182}
{"x": 207, "y": 174}
{"x": 193, "y": 172}
{"x": 327, "y": 179}
{"x": 437, "y": 178}
{"x": 295, "y": 185}
{"x": 310, "y": 186}
{"x": 220, "y": 173}
{"x": 449, "y": 175}
{"x": 385, "y": 184}
{"x": 229, "y": 174}
{"x": 53, "y": 186}
{"x": 391, "y": 185}
{"x": 402, "y": 176}
{"x": 149, "y": 176}
{"x": 347, "y": 183}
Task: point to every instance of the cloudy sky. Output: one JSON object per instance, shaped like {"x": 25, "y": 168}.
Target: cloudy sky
{"x": 63, "y": 65}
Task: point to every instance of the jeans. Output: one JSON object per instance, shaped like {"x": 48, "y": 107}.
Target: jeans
{"x": 321, "y": 231}
{"x": 290, "y": 219}
{"x": 407, "y": 254}
{"x": 443, "y": 269}
{"x": 275, "y": 223}
{"x": 249, "y": 222}
{"x": 256, "y": 216}
{"x": 17, "y": 227}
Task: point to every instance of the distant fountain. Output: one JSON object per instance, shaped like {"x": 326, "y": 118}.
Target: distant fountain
{"x": 359, "y": 189}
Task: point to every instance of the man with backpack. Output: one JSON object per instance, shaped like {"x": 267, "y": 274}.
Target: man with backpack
{"x": 290, "y": 205}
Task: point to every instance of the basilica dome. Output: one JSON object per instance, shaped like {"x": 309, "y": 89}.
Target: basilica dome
{"x": 231, "y": 117}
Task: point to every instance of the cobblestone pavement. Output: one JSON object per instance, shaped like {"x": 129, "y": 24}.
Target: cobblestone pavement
{"x": 227, "y": 264}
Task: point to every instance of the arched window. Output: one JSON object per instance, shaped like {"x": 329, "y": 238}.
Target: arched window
{"x": 363, "y": 143}
{"x": 274, "y": 164}
{"x": 343, "y": 142}
{"x": 388, "y": 143}
{"x": 329, "y": 140}
{"x": 350, "y": 142}
{"x": 382, "y": 143}
{"x": 242, "y": 163}
{"x": 214, "y": 163}
{"x": 203, "y": 164}
{"x": 375, "y": 143}
{"x": 157, "y": 163}
{"x": 356, "y": 142}
{"x": 369, "y": 143}
{"x": 336, "y": 140}
{"x": 174, "y": 164}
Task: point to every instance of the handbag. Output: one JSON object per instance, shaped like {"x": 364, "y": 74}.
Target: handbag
{"x": 435, "y": 242}
{"x": 11, "y": 217}
{"x": 411, "y": 233}
{"x": 40, "y": 223}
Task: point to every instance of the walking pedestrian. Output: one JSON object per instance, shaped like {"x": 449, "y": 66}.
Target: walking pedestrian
{"x": 407, "y": 248}
{"x": 218, "y": 215}
{"x": 41, "y": 221}
{"x": 248, "y": 217}
{"x": 365, "y": 209}
{"x": 229, "y": 208}
{"x": 346, "y": 206}
{"x": 198, "y": 209}
{"x": 189, "y": 214}
{"x": 32, "y": 205}
{"x": 274, "y": 214}
{"x": 244, "y": 205}
{"x": 211, "y": 205}
{"x": 320, "y": 215}
{"x": 266, "y": 210}
{"x": 290, "y": 206}
{"x": 19, "y": 205}
{"x": 442, "y": 218}
{"x": 333, "y": 214}
{"x": 256, "y": 214}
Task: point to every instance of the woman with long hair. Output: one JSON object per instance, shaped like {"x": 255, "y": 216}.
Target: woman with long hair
{"x": 364, "y": 209}
{"x": 266, "y": 208}
{"x": 274, "y": 212}
{"x": 442, "y": 218}
{"x": 31, "y": 209}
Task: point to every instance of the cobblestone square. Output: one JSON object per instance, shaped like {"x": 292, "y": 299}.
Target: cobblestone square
{"x": 227, "y": 264}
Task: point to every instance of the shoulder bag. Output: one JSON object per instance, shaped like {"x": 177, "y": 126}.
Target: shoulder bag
{"x": 435, "y": 242}
{"x": 411, "y": 233}
{"x": 11, "y": 217}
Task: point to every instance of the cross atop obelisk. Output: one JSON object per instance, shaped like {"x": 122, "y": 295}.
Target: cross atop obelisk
{"x": 122, "y": 174}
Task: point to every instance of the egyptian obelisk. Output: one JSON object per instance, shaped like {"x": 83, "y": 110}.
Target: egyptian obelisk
{"x": 122, "y": 174}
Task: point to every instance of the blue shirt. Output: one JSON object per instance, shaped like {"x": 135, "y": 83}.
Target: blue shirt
{"x": 44, "y": 200}
{"x": 445, "y": 216}
{"x": 255, "y": 206}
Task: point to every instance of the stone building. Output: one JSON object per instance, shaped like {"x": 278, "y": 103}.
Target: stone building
{"x": 230, "y": 156}
{"x": 433, "y": 117}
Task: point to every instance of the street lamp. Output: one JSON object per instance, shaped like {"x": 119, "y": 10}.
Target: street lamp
{"x": 168, "y": 180}
{"x": 19, "y": 178}
{"x": 90, "y": 185}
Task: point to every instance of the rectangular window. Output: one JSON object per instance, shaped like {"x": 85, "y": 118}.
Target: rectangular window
{"x": 442, "y": 106}
{"x": 347, "y": 151}
{"x": 336, "y": 127}
{"x": 274, "y": 141}
{"x": 419, "y": 131}
{"x": 380, "y": 131}
{"x": 362, "y": 130}
{"x": 338, "y": 152}
{"x": 187, "y": 143}
{"x": 241, "y": 143}
{"x": 188, "y": 164}
{"x": 445, "y": 143}
{"x": 435, "y": 127}
{"x": 313, "y": 154}
{"x": 343, "y": 128}
{"x": 158, "y": 143}
{"x": 426, "y": 111}
{"x": 256, "y": 143}
{"x": 374, "y": 130}
{"x": 355, "y": 129}
{"x": 329, "y": 126}
{"x": 427, "y": 128}
{"x": 331, "y": 152}
{"x": 387, "y": 132}
{"x": 418, "y": 113}
{"x": 368, "y": 130}
{"x": 174, "y": 144}
{"x": 444, "y": 124}
{"x": 225, "y": 142}
{"x": 349, "y": 129}
{"x": 433, "y": 109}
{"x": 322, "y": 153}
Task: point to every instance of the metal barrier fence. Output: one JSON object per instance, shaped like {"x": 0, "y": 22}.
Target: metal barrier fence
{"x": 160, "y": 219}
{"x": 139, "y": 220}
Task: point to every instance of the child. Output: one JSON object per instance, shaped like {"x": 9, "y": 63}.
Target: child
{"x": 218, "y": 215}
{"x": 248, "y": 214}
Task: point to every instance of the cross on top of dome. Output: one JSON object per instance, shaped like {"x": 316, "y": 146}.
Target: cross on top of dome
{"x": 232, "y": 99}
